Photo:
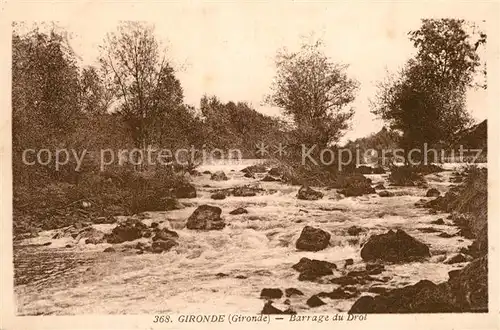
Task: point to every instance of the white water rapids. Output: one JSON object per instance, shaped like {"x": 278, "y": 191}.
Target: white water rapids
{"x": 256, "y": 251}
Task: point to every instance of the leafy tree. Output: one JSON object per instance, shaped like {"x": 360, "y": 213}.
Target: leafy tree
{"x": 45, "y": 102}
{"x": 426, "y": 99}
{"x": 315, "y": 92}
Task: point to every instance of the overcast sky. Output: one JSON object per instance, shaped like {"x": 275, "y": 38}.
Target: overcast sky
{"x": 228, "y": 50}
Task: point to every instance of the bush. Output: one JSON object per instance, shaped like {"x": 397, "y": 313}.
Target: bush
{"x": 405, "y": 176}
{"x": 119, "y": 192}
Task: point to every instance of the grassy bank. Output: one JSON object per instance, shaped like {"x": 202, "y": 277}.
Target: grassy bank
{"x": 95, "y": 197}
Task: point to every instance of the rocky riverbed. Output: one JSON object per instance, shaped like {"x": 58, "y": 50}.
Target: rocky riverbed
{"x": 226, "y": 269}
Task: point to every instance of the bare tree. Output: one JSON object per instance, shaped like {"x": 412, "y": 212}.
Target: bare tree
{"x": 142, "y": 79}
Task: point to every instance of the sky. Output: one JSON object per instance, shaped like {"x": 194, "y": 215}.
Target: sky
{"x": 229, "y": 50}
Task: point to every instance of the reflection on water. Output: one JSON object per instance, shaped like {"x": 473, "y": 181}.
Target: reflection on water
{"x": 255, "y": 250}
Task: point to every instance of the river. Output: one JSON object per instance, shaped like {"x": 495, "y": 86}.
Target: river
{"x": 254, "y": 251}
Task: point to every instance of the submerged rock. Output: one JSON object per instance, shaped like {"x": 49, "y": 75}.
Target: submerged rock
{"x": 394, "y": 246}
{"x": 446, "y": 235}
{"x": 239, "y": 210}
{"x": 108, "y": 249}
{"x": 269, "y": 178}
{"x": 309, "y": 194}
{"x": 386, "y": 193}
{"x": 312, "y": 239}
{"x": 206, "y": 217}
{"x": 380, "y": 186}
{"x": 249, "y": 175}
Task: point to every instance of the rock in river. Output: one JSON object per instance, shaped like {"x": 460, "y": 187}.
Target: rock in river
{"x": 271, "y": 293}
{"x": 239, "y": 210}
{"x": 163, "y": 245}
{"x": 306, "y": 193}
{"x": 311, "y": 269}
{"x": 185, "y": 191}
{"x": 395, "y": 247}
{"x": 313, "y": 239}
{"x": 465, "y": 291}
{"x": 218, "y": 195}
{"x": 206, "y": 217}
{"x": 315, "y": 301}
{"x": 433, "y": 192}
{"x": 219, "y": 176}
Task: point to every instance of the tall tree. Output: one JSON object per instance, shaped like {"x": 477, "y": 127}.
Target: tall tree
{"x": 143, "y": 81}
{"x": 315, "y": 92}
{"x": 426, "y": 99}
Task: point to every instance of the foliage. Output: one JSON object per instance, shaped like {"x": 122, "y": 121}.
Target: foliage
{"x": 314, "y": 92}
{"x": 426, "y": 99}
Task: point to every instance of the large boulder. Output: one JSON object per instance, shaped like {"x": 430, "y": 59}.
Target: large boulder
{"x": 309, "y": 194}
{"x": 185, "y": 190}
{"x": 313, "y": 239}
{"x": 219, "y": 176}
{"x": 394, "y": 247}
{"x": 206, "y": 217}
{"x": 311, "y": 269}
{"x": 423, "y": 297}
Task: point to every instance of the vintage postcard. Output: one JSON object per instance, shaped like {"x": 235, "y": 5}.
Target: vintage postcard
{"x": 173, "y": 165}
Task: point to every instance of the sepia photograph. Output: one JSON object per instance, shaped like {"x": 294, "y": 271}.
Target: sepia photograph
{"x": 232, "y": 162}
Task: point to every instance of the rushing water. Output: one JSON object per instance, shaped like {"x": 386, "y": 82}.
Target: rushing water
{"x": 255, "y": 251}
